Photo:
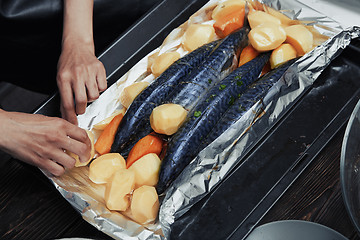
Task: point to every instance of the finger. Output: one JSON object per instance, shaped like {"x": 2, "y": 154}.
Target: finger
{"x": 62, "y": 158}
{"x": 51, "y": 167}
{"x": 79, "y": 89}
{"x": 101, "y": 78}
{"x": 79, "y": 148}
{"x": 92, "y": 89}
{"x": 67, "y": 107}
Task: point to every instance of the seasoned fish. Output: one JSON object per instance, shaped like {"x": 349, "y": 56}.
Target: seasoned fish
{"x": 183, "y": 146}
{"x": 254, "y": 93}
{"x": 137, "y": 116}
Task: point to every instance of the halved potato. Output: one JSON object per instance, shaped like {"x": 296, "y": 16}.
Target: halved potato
{"x": 163, "y": 61}
{"x": 282, "y": 54}
{"x": 145, "y": 204}
{"x": 102, "y": 124}
{"x": 117, "y": 189}
{"x": 130, "y": 93}
{"x": 103, "y": 167}
{"x": 146, "y": 170}
{"x": 197, "y": 35}
{"x": 167, "y": 118}
{"x": 267, "y": 36}
{"x": 300, "y": 38}
{"x": 257, "y": 18}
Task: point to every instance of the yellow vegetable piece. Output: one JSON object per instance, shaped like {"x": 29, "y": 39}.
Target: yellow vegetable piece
{"x": 300, "y": 38}
{"x": 226, "y": 8}
{"x": 146, "y": 170}
{"x": 163, "y": 61}
{"x": 92, "y": 152}
{"x": 103, "y": 167}
{"x": 167, "y": 118}
{"x": 117, "y": 189}
{"x": 257, "y": 18}
{"x": 267, "y": 36}
{"x": 129, "y": 93}
{"x": 145, "y": 204}
{"x": 102, "y": 124}
{"x": 282, "y": 54}
{"x": 197, "y": 35}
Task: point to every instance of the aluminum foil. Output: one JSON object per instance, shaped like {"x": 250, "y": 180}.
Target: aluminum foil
{"x": 215, "y": 161}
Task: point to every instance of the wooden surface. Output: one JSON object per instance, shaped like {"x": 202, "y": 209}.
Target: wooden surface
{"x": 31, "y": 207}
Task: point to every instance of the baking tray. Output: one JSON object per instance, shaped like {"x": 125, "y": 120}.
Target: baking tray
{"x": 236, "y": 205}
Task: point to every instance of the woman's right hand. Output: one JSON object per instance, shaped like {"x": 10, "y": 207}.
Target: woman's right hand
{"x": 40, "y": 141}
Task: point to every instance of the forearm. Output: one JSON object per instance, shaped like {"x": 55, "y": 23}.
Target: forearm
{"x": 78, "y": 26}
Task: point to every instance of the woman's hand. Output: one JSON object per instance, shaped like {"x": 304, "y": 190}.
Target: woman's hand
{"x": 80, "y": 74}
{"x": 41, "y": 141}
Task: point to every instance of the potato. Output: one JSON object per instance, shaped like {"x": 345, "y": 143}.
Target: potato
{"x": 130, "y": 92}
{"x": 257, "y": 18}
{"x": 197, "y": 35}
{"x": 226, "y": 8}
{"x": 146, "y": 170}
{"x": 300, "y": 38}
{"x": 92, "y": 152}
{"x": 145, "y": 204}
{"x": 282, "y": 54}
{"x": 267, "y": 36}
{"x": 167, "y": 118}
{"x": 163, "y": 61}
{"x": 102, "y": 124}
{"x": 117, "y": 189}
{"x": 103, "y": 167}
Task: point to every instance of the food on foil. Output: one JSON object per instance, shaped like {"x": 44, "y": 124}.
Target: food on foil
{"x": 118, "y": 189}
{"x": 103, "y": 123}
{"x": 103, "y": 167}
{"x": 106, "y": 139}
{"x": 151, "y": 143}
{"x": 300, "y": 38}
{"x": 192, "y": 101}
{"x": 248, "y": 98}
{"x": 167, "y": 118}
{"x": 183, "y": 146}
{"x": 282, "y": 54}
{"x": 163, "y": 61}
{"x": 92, "y": 152}
{"x": 197, "y": 35}
{"x": 146, "y": 170}
{"x": 145, "y": 204}
{"x": 129, "y": 93}
{"x": 132, "y": 128}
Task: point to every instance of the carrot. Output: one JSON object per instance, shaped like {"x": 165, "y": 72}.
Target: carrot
{"x": 149, "y": 144}
{"x": 106, "y": 138}
{"x": 229, "y": 23}
{"x": 266, "y": 69}
{"x": 247, "y": 54}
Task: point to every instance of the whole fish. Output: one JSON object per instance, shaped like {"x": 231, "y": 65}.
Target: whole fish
{"x": 183, "y": 146}
{"x": 185, "y": 92}
{"x": 241, "y": 105}
{"x": 137, "y": 115}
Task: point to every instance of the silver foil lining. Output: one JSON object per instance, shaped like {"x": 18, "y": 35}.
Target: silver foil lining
{"x": 214, "y": 162}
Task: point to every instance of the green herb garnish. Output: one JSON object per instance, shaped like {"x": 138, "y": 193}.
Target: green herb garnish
{"x": 239, "y": 83}
{"x": 197, "y": 113}
{"x": 222, "y": 87}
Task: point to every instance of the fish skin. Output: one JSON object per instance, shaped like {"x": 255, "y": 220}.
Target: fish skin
{"x": 137, "y": 115}
{"x": 183, "y": 146}
{"x": 191, "y": 89}
{"x": 253, "y": 94}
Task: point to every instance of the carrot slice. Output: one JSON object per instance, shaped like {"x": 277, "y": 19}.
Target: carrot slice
{"x": 149, "y": 144}
{"x": 247, "y": 54}
{"x": 229, "y": 23}
{"x": 266, "y": 69}
{"x": 106, "y": 138}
